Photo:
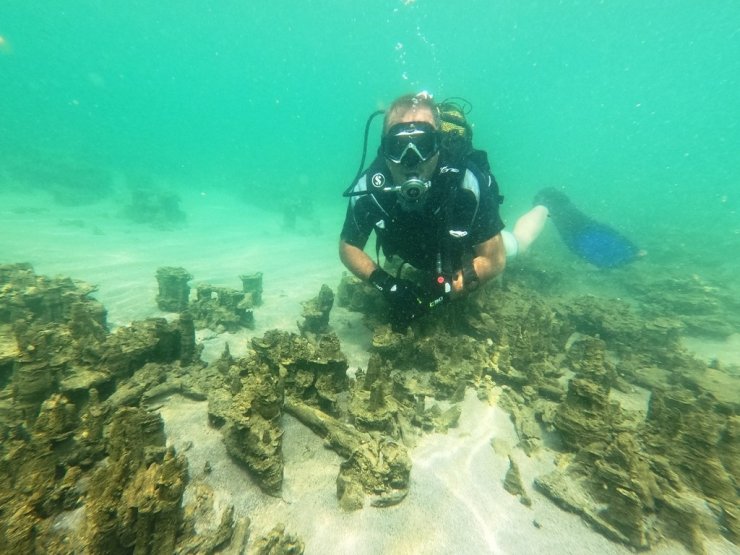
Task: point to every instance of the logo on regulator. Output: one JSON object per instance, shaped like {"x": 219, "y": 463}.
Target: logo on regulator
{"x": 378, "y": 180}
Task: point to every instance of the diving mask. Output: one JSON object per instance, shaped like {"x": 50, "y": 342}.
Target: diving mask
{"x": 410, "y": 143}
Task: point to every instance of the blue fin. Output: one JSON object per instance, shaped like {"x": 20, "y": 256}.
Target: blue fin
{"x": 597, "y": 243}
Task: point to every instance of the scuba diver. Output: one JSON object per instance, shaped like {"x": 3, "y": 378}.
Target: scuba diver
{"x": 433, "y": 203}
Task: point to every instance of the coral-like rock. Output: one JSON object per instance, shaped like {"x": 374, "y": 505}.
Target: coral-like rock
{"x": 250, "y": 404}
{"x": 252, "y": 287}
{"x": 315, "y": 371}
{"x": 158, "y": 208}
{"x": 513, "y": 483}
{"x": 277, "y": 542}
{"x": 137, "y": 494}
{"x": 374, "y": 464}
{"x": 222, "y": 308}
{"x": 701, "y": 442}
{"x": 152, "y": 340}
{"x": 356, "y": 295}
{"x": 60, "y": 377}
{"x": 702, "y": 307}
{"x": 316, "y": 313}
{"x": 250, "y": 418}
{"x": 174, "y": 291}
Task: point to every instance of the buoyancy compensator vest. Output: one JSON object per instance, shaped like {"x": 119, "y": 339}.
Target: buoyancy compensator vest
{"x": 456, "y": 154}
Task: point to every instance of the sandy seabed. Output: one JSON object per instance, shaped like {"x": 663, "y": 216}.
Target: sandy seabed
{"x": 456, "y": 502}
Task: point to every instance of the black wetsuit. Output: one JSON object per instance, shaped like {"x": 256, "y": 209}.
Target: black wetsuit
{"x": 460, "y": 211}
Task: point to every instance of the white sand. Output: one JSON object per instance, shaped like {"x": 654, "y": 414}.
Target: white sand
{"x": 456, "y": 502}
{"x": 726, "y": 351}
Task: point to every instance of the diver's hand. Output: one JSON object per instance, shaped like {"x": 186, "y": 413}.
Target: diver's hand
{"x": 462, "y": 284}
{"x": 457, "y": 286}
{"x": 405, "y": 298}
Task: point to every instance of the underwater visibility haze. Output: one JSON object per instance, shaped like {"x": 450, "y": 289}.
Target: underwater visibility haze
{"x": 120, "y": 119}
{"x": 630, "y": 102}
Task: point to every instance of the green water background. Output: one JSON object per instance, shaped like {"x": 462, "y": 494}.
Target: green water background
{"x": 632, "y": 106}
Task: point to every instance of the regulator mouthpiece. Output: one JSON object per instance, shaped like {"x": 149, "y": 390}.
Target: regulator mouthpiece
{"x": 414, "y": 189}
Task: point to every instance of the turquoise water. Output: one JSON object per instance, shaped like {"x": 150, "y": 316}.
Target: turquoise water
{"x": 592, "y": 94}
{"x": 632, "y": 106}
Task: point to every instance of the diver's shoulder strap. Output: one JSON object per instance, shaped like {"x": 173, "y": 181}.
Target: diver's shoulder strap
{"x": 478, "y": 159}
{"x": 474, "y": 180}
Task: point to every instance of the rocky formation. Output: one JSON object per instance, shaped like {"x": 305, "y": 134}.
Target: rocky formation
{"x": 69, "y": 390}
{"x": 308, "y": 379}
{"x": 67, "y": 179}
{"x": 374, "y": 465}
{"x": 252, "y": 286}
{"x": 248, "y": 410}
{"x": 316, "y": 314}
{"x": 62, "y": 414}
{"x": 174, "y": 291}
{"x": 561, "y": 369}
{"x": 222, "y": 308}
{"x": 277, "y": 542}
{"x": 700, "y": 306}
{"x": 249, "y": 405}
{"x": 83, "y": 462}
{"x": 217, "y": 308}
{"x": 138, "y": 488}
{"x": 398, "y": 403}
{"x": 355, "y": 295}
{"x": 513, "y": 483}
{"x": 157, "y": 208}
{"x": 634, "y": 475}
{"x": 315, "y": 373}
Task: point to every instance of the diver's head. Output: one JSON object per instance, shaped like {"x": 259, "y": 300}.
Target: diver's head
{"x": 412, "y": 107}
{"x": 410, "y": 144}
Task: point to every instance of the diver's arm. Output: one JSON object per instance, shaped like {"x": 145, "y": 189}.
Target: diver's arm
{"x": 356, "y": 260}
{"x": 490, "y": 258}
{"x": 489, "y": 261}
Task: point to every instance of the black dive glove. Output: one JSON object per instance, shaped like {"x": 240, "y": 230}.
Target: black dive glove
{"x": 405, "y": 298}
